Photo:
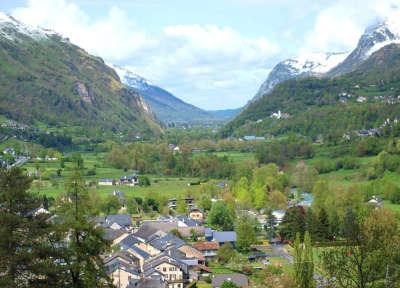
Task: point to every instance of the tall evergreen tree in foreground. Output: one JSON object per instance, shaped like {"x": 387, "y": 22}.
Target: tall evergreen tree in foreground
{"x": 83, "y": 242}
{"x": 26, "y": 254}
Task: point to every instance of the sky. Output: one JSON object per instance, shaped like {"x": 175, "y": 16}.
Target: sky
{"x": 211, "y": 53}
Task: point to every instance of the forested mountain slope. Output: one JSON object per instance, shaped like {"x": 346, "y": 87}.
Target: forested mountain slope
{"x": 362, "y": 99}
{"x": 44, "y": 79}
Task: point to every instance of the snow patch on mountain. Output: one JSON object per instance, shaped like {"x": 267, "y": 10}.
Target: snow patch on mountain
{"x": 382, "y": 34}
{"x": 306, "y": 64}
{"x": 318, "y": 63}
{"x": 131, "y": 79}
{"x": 10, "y": 28}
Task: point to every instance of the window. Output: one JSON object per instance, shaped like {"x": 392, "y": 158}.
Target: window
{"x": 164, "y": 269}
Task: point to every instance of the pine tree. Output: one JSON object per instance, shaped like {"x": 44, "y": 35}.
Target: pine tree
{"x": 25, "y": 251}
{"x": 83, "y": 242}
{"x": 322, "y": 226}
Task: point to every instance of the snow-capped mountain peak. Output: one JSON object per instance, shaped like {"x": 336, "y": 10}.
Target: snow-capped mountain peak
{"x": 380, "y": 35}
{"x": 307, "y": 64}
{"x": 131, "y": 79}
{"x": 373, "y": 39}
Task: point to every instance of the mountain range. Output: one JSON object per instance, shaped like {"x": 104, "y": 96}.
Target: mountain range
{"x": 360, "y": 92}
{"x": 332, "y": 63}
{"x": 47, "y": 81}
{"x": 169, "y": 108}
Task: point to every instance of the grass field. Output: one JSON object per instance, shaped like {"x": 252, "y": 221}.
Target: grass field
{"x": 237, "y": 156}
{"x": 53, "y": 185}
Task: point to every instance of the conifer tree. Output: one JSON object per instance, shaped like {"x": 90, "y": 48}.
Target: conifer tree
{"x": 25, "y": 250}
{"x": 83, "y": 242}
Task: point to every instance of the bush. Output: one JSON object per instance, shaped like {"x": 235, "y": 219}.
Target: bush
{"x": 144, "y": 181}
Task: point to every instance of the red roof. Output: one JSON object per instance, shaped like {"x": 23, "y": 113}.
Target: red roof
{"x": 201, "y": 246}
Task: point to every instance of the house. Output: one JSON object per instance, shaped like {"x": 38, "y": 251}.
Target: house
{"x": 196, "y": 214}
{"x": 132, "y": 180}
{"x": 140, "y": 254}
{"x": 155, "y": 281}
{"x": 239, "y": 280}
{"x": 188, "y": 200}
{"x": 128, "y": 242}
{"x": 174, "y": 271}
{"x": 122, "y": 267}
{"x": 166, "y": 241}
{"x": 191, "y": 252}
{"x": 221, "y": 237}
{"x": 116, "y": 222}
{"x": 208, "y": 249}
{"x": 107, "y": 182}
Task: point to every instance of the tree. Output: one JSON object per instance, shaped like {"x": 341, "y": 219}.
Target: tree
{"x": 322, "y": 229}
{"x": 181, "y": 206}
{"x": 221, "y": 216}
{"x": 111, "y": 205}
{"x": 304, "y": 176}
{"x": 242, "y": 192}
{"x": 229, "y": 284}
{"x": 246, "y": 234}
{"x": 81, "y": 242}
{"x": 293, "y": 222}
{"x": 25, "y": 249}
{"x": 225, "y": 253}
{"x": 277, "y": 200}
{"x": 270, "y": 225}
{"x": 205, "y": 203}
{"x": 144, "y": 181}
{"x": 304, "y": 262}
{"x": 370, "y": 256}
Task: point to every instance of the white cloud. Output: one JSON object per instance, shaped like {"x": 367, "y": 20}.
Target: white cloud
{"x": 339, "y": 25}
{"x": 202, "y": 64}
{"x": 211, "y": 66}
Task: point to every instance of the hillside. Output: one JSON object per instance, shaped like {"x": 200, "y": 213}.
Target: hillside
{"x": 46, "y": 80}
{"x": 332, "y": 64}
{"x": 362, "y": 99}
{"x": 167, "y": 107}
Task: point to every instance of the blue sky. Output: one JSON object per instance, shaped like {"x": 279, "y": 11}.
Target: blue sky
{"x": 211, "y": 53}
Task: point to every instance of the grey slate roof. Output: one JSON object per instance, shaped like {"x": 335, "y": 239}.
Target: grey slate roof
{"x": 123, "y": 220}
{"x": 111, "y": 234}
{"x": 238, "y": 279}
{"x": 189, "y": 222}
{"x": 129, "y": 241}
{"x": 148, "y": 228}
{"x": 224, "y": 236}
{"x": 140, "y": 252}
{"x": 166, "y": 241}
{"x": 153, "y": 282}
